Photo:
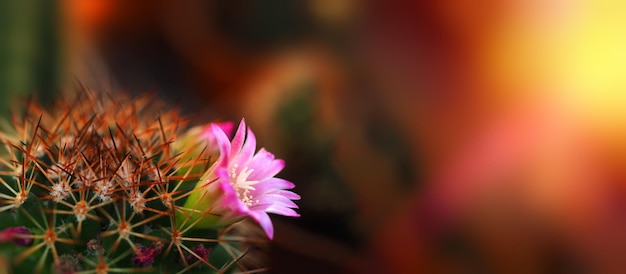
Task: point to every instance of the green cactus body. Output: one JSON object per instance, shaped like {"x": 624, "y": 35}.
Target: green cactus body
{"x": 97, "y": 184}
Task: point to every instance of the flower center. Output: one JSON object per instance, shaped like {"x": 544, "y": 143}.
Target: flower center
{"x": 242, "y": 185}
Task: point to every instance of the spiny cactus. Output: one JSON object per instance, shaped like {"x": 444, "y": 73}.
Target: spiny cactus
{"x": 102, "y": 183}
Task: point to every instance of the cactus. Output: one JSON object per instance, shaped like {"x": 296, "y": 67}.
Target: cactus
{"x": 101, "y": 183}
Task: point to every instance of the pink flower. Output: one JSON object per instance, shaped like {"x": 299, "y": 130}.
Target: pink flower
{"x": 247, "y": 180}
{"x": 242, "y": 183}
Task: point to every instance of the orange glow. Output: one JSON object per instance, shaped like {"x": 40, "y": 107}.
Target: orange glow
{"x": 573, "y": 50}
{"x": 92, "y": 14}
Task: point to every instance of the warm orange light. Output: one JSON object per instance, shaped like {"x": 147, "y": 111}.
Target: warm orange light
{"x": 573, "y": 51}
{"x": 91, "y": 14}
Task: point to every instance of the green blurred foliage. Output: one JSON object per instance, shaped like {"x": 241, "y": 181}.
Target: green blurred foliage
{"x": 30, "y": 49}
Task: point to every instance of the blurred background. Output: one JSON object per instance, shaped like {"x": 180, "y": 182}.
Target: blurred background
{"x": 448, "y": 136}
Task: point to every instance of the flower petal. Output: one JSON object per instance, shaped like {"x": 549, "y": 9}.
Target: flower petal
{"x": 237, "y": 143}
{"x": 285, "y": 211}
{"x": 286, "y": 193}
{"x": 270, "y": 184}
{"x": 264, "y": 220}
{"x": 264, "y": 165}
{"x": 222, "y": 142}
{"x": 245, "y": 155}
{"x": 275, "y": 199}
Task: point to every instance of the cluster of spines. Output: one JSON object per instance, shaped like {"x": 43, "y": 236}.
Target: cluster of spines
{"x": 106, "y": 161}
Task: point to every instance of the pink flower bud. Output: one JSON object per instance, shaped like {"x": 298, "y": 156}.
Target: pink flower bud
{"x": 17, "y": 234}
{"x": 144, "y": 256}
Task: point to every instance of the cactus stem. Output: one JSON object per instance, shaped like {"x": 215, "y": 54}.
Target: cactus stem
{"x": 125, "y": 228}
